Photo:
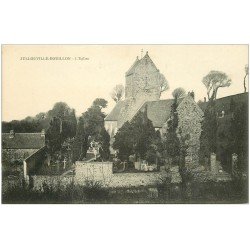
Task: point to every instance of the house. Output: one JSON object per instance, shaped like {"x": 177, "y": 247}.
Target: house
{"x": 142, "y": 92}
{"x": 18, "y": 146}
{"x": 226, "y": 107}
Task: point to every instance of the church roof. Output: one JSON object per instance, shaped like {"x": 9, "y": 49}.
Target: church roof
{"x": 132, "y": 68}
{"x": 138, "y": 62}
{"x": 157, "y": 111}
{"x": 23, "y": 141}
{"x": 114, "y": 114}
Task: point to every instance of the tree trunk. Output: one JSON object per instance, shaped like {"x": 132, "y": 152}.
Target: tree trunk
{"x": 245, "y": 88}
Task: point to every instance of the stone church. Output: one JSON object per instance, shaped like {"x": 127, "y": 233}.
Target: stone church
{"x": 142, "y": 92}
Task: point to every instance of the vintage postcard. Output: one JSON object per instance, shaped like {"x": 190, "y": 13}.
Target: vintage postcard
{"x": 130, "y": 124}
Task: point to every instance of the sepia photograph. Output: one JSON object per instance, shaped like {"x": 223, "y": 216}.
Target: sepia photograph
{"x": 125, "y": 124}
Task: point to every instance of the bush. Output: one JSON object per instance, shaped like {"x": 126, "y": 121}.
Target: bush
{"x": 92, "y": 191}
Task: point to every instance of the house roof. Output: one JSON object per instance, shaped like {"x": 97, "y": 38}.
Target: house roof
{"x": 223, "y": 104}
{"x": 23, "y": 141}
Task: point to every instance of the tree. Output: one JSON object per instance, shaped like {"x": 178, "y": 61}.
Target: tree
{"x": 94, "y": 118}
{"x": 143, "y": 133}
{"x": 60, "y": 109}
{"x": 117, "y": 92}
{"x": 124, "y": 141}
{"x": 53, "y": 136}
{"x": 215, "y": 80}
{"x": 239, "y": 134}
{"x": 100, "y": 102}
{"x": 80, "y": 145}
{"x": 136, "y": 137}
{"x": 41, "y": 120}
{"x": 245, "y": 77}
{"x": 163, "y": 83}
{"x": 154, "y": 152}
{"x": 104, "y": 143}
{"x": 208, "y": 141}
{"x": 91, "y": 128}
{"x": 171, "y": 142}
{"x": 179, "y": 93}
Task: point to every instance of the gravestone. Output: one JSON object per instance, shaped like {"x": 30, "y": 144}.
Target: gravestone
{"x": 138, "y": 165}
{"x": 213, "y": 164}
{"x": 234, "y": 164}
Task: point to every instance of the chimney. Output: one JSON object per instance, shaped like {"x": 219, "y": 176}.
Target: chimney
{"x": 205, "y": 99}
{"x": 12, "y": 134}
{"x": 43, "y": 133}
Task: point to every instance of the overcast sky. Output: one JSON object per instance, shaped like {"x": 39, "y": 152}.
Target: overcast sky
{"x": 30, "y": 87}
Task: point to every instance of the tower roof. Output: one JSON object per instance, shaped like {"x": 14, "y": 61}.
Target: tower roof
{"x": 138, "y": 62}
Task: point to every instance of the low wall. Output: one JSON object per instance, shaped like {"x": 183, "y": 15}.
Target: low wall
{"x": 38, "y": 181}
{"x": 102, "y": 171}
{"x": 34, "y": 161}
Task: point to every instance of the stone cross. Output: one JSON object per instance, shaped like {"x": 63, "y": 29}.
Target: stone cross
{"x": 64, "y": 163}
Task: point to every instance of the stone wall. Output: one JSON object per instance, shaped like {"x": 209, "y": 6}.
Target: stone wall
{"x": 144, "y": 81}
{"x": 141, "y": 86}
{"x": 103, "y": 173}
{"x": 34, "y": 161}
{"x": 98, "y": 171}
{"x": 53, "y": 181}
{"x": 189, "y": 123}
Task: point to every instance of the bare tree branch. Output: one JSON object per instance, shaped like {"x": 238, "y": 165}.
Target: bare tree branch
{"x": 117, "y": 93}
{"x": 163, "y": 83}
{"x": 247, "y": 72}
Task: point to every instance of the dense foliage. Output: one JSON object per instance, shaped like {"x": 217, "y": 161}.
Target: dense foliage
{"x": 171, "y": 142}
{"x": 40, "y": 121}
{"x": 62, "y": 126}
{"x": 138, "y": 138}
{"x": 209, "y": 133}
{"x": 90, "y": 128}
{"x": 225, "y": 135}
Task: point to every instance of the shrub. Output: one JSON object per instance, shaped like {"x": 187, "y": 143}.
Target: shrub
{"x": 94, "y": 191}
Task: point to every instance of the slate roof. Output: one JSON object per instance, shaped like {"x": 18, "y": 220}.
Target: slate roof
{"x": 157, "y": 111}
{"x": 23, "y": 141}
{"x": 132, "y": 68}
{"x": 114, "y": 114}
{"x": 223, "y": 104}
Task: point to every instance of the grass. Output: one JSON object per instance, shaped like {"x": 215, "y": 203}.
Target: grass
{"x": 92, "y": 192}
